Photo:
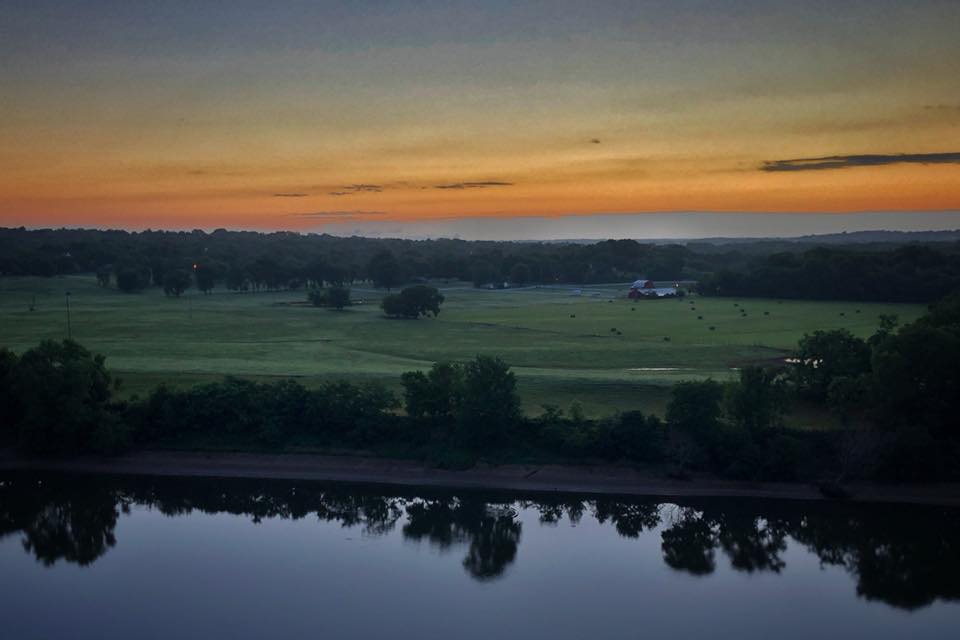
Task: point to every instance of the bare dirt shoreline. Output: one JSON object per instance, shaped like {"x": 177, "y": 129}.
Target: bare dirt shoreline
{"x": 608, "y": 480}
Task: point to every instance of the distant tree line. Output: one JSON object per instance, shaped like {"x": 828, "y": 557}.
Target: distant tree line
{"x": 911, "y": 273}
{"x": 248, "y": 261}
{"x": 897, "y": 393}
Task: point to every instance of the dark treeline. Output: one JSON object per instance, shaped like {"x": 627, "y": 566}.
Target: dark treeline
{"x": 907, "y": 561}
{"x": 249, "y": 261}
{"x": 898, "y": 393}
{"x": 912, "y": 273}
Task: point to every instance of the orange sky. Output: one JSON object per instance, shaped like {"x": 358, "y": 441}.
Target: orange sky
{"x": 199, "y": 118}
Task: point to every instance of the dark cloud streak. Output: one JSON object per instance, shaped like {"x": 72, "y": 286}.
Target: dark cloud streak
{"x": 473, "y": 185}
{"x": 351, "y": 189}
{"x": 337, "y": 214}
{"x": 866, "y": 160}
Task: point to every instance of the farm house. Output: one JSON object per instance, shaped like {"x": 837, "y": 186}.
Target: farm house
{"x": 644, "y": 288}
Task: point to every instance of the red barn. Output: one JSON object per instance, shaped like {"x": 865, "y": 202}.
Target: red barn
{"x": 644, "y": 288}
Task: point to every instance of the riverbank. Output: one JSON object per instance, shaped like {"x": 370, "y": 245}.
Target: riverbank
{"x": 581, "y": 479}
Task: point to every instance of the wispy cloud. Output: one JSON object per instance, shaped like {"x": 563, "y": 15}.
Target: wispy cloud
{"x": 351, "y": 189}
{"x": 290, "y": 195}
{"x": 942, "y": 107}
{"x": 594, "y": 140}
{"x": 473, "y": 185}
{"x": 217, "y": 172}
{"x": 338, "y": 214}
{"x": 866, "y": 160}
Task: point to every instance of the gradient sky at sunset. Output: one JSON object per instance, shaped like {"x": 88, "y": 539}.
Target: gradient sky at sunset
{"x": 379, "y": 115}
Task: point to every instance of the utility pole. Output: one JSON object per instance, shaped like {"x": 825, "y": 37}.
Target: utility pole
{"x": 69, "y": 332}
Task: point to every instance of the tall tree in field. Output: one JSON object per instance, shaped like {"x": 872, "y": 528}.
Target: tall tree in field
{"x": 338, "y": 297}
{"x": 413, "y": 302}
{"x": 423, "y": 300}
{"x": 103, "y": 275}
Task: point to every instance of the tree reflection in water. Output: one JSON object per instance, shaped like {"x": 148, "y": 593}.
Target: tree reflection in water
{"x": 905, "y": 557}
{"x": 490, "y": 529}
{"x": 76, "y": 526}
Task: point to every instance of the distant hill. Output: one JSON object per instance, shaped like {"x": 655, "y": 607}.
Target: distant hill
{"x": 879, "y": 236}
{"x": 852, "y": 237}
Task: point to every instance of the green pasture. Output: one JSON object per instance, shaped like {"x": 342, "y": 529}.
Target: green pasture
{"x": 592, "y": 346}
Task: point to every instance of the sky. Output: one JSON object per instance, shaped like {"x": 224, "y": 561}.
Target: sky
{"x": 483, "y": 119}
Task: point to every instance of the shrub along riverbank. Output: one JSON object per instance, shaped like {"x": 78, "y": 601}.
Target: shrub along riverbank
{"x": 897, "y": 393}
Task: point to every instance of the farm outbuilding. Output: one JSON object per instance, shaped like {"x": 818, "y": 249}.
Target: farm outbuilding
{"x": 644, "y": 288}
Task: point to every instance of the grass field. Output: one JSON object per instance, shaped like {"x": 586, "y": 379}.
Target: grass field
{"x": 596, "y": 348}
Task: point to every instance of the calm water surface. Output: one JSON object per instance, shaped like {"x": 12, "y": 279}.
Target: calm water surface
{"x": 100, "y": 557}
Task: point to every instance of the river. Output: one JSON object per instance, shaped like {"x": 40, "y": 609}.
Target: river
{"x": 89, "y": 556}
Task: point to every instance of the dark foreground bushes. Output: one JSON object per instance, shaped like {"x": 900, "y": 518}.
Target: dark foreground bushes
{"x": 268, "y": 414}
{"x": 56, "y": 399}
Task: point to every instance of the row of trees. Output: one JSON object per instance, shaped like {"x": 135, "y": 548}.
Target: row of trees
{"x": 411, "y": 302}
{"x": 247, "y": 261}
{"x": 912, "y": 273}
{"x": 132, "y": 276}
{"x": 904, "y": 377}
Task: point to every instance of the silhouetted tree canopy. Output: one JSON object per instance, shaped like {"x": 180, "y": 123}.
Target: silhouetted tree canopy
{"x": 59, "y": 394}
{"x": 334, "y": 297}
{"x": 413, "y": 302}
{"x": 695, "y": 405}
{"x": 758, "y": 400}
{"x": 489, "y": 407}
{"x": 826, "y": 355}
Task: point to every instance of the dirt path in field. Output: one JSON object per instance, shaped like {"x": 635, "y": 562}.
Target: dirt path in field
{"x": 608, "y": 480}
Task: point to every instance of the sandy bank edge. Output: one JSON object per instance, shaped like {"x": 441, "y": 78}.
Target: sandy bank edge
{"x": 612, "y": 480}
